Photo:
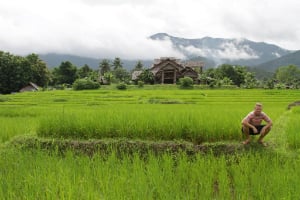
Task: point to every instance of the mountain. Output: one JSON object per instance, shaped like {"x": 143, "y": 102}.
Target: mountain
{"x": 212, "y": 51}
{"x": 54, "y": 60}
{"x": 289, "y": 59}
{"x": 219, "y": 50}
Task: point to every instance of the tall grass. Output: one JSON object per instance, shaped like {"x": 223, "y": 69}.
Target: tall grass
{"x": 293, "y": 128}
{"x": 40, "y": 175}
{"x": 190, "y": 122}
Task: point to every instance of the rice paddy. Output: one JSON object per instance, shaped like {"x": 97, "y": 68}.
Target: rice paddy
{"x": 159, "y": 115}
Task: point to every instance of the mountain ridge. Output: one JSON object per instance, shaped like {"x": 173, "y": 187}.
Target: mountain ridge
{"x": 239, "y": 51}
{"x": 213, "y": 51}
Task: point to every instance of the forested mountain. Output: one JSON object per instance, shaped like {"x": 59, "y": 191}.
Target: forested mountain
{"x": 289, "y": 59}
{"x": 54, "y": 60}
{"x": 220, "y": 50}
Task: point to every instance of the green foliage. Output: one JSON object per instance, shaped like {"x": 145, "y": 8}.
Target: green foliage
{"x": 147, "y": 76}
{"x": 117, "y": 63}
{"x": 139, "y": 66}
{"x": 85, "y": 84}
{"x": 16, "y": 72}
{"x": 289, "y": 75}
{"x": 104, "y": 66}
{"x": 140, "y": 84}
{"x": 121, "y": 74}
{"x": 39, "y": 70}
{"x": 186, "y": 83}
{"x": 107, "y": 78}
{"x": 66, "y": 73}
{"x": 85, "y": 72}
{"x": 121, "y": 86}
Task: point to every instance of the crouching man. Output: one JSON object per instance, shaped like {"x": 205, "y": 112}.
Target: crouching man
{"x": 252, "y": 124}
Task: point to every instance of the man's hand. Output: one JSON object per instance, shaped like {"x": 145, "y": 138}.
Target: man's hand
{"x": 263, "y": 130}
{"x": 254, "y": 129}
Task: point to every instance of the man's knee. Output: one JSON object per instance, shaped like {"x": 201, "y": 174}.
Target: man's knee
{"x": 245, "y": 129}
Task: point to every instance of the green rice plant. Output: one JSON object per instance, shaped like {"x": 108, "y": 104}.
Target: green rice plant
{"x": 155, "y": 122}
{"x": 41, "y": 175}
{"x": 264, "y": 176}
{"x": 293, "y": 128}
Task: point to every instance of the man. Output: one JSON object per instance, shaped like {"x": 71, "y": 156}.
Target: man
{"x": 252, "y": 124}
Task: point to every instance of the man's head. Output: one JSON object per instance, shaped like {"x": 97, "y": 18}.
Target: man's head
{"x": 257, "y": 108}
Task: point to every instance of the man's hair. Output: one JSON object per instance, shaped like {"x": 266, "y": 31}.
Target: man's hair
{"x": 258, "y": 104}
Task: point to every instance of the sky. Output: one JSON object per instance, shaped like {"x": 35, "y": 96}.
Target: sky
{"x": 121, "y": 28}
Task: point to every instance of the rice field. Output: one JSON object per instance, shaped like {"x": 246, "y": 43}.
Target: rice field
{"x": 196, "y": 117}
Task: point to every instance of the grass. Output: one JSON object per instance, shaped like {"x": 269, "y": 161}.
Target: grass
{"x": 40, "y": 175}
{"x": 30, "y": 171}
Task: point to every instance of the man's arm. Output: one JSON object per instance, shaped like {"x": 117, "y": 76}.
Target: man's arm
{"x": 269, "y": 122}
{"x": 245, "y": 122}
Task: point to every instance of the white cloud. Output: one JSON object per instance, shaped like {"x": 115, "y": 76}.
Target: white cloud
{"x": 110, "y": 28}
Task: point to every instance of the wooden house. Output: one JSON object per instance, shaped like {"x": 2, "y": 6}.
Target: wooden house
{"x": 168, "y": 70}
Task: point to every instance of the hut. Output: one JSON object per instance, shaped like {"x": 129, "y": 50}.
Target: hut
{"x": 31, "y": 87}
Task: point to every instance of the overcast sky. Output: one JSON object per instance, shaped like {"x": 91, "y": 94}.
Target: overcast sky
{"x": 120, "y": 28}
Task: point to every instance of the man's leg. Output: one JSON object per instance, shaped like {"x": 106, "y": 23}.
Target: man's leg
{"x": 246, "y": 131}
{"x": 263, "y": 134}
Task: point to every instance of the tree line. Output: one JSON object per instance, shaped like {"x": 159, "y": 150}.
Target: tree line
{"x": 18, "y": 71}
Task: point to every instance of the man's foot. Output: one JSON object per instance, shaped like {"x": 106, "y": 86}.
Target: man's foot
{"x": 246, "y": 142}
{"x": 262, "y": 143}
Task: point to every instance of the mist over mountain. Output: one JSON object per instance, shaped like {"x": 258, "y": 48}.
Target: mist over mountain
{"x": 212, "y": 51}
{"x": 231, "y": 51}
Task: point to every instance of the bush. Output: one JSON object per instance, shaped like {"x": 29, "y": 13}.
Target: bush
{"x": 85, "y": 84}
{"x": 122, "y": 86}
{"x": 186, "y": 82}
{"x": 140, "y": 84}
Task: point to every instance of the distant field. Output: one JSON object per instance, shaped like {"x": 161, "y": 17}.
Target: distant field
{"x": 195, "y": 115}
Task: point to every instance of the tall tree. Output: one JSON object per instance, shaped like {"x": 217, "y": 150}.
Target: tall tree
{"x": 85, "y": 71}
{"x": 117, "y": 63}
{"x": 66, "y": 73}
{"x": 139, "y": 66}
{"x": 104, "y": 66}
{"x": 39, "y": 71}
{"x": 15, "y": 72}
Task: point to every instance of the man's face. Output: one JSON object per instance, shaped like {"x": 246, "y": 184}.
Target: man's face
{"x": 257, "y": 110}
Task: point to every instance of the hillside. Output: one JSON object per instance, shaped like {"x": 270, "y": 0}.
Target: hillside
{"x": 238, "y": 51}
{"x": 289, "y": 59}
{"x": 54, "y": 60}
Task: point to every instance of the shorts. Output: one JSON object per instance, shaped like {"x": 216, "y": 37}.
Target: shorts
{"x": 259, "y": 127}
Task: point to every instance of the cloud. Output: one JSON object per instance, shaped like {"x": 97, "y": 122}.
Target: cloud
{"x": 233, "y": 50}
{"x": 110, "y": 28}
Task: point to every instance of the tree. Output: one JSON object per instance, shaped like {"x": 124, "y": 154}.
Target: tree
{"x": 117, "y": 63}
{"x": 250, "y": 81}
{"x": 235, "y": 73}
{"x": 139, "y": 66}
{"x": 104, "y": 66}
{"x": 121, "y": 74}
{"x": 85, "y": 71}
{"x": 147, "y": 76}
{"x": 288, "y": 75}
{"x": 39, "y": 71}
{"x": 66, "y": 73}
{"x": 17, "y": 71}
